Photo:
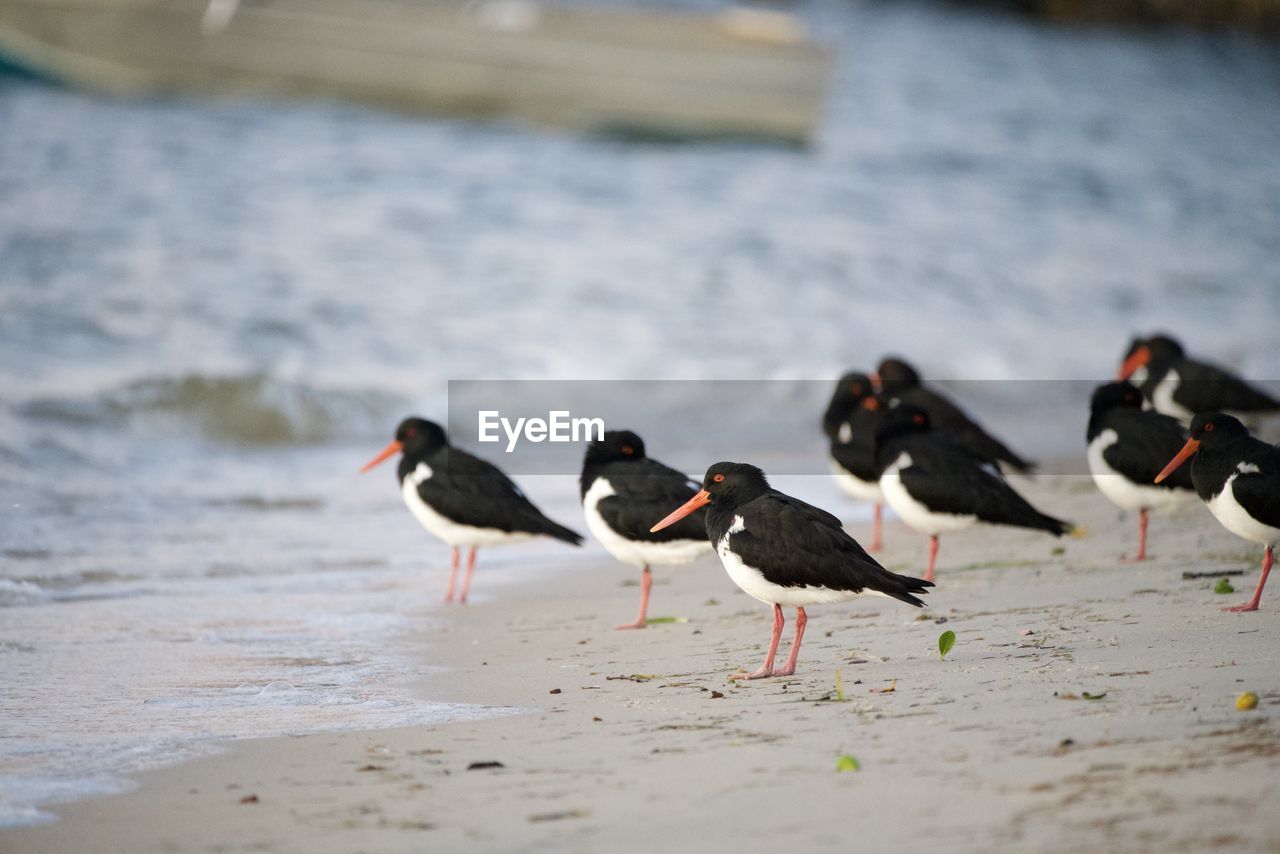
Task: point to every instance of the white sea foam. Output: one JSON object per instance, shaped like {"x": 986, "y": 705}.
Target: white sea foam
{"x": 103, "y": 674}
{"x": 98, "y": 688}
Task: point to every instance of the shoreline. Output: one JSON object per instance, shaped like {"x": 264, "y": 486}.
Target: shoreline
{"x": 647, "y": 741}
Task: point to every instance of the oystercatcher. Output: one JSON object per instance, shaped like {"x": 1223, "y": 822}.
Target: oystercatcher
{"x": 850, "y": 423}
{"x": 462, "y": 499}
{"x": 935, "y": 484}
{"x": 901, "y": 382}
{"x": 1238, "y": 476}
{"x": 1181, "y": 387}
{"x": 623, "y": 491}
{"x": 782, "y": 551}
{"x": 1127, "y": 448}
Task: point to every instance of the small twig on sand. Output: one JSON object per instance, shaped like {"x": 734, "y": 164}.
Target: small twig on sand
{"x": 1187, "y": 576}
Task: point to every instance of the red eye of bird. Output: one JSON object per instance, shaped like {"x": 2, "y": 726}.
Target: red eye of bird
{"x": 411, "y": 432}
{"x": 919, "y": 419}
{"x": 718, "y": 478}
{"x": 1208, "y": 428}
{"x": 628, "y": 450}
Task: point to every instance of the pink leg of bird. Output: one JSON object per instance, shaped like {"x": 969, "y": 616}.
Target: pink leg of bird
{"x": 466, "y": 579}
{"x": 646, "y": 583}
{"x": 453, "y": 574}
{"x": 767, "y": 668}
{"x": 1142, "y": 538}
{"x": 1252, "y": 604}
{"x": 933, "y": 557}
{"x": 790, "y": 667}
{"x": 877, "y": 529}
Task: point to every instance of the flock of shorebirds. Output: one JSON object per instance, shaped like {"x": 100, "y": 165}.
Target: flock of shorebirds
{"x": 894, "y": 440}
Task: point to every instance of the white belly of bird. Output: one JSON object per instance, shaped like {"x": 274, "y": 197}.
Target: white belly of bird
{"x": 755, "y": 585}
{"x": 1237, "y": 520}
{"x": 856, "y": 487}
{"x": 1162, "y": 398}
{"x": 453, "y": 533}
{"x": 917, "y": 516}
{"x": 1123, "y": 492}
{"x": 631, "y": 551}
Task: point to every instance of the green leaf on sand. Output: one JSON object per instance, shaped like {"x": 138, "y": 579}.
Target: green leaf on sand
{"x": 1089, "y": 696}
{"x": 847, "y": 763}
{"x": 1223, "y": 586}
{"x": 657, "y": 621}
{"x": 946, "y": 640}
{"x": 839, "y": 686}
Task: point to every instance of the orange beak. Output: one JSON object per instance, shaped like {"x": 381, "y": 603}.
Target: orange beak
{"x": 389, "y": 450}
{"x": 1139, "y": 358}
{"x": 1188, "y": 451}
{"x": 870, "y": 403}
{"x": 702, "y": 499}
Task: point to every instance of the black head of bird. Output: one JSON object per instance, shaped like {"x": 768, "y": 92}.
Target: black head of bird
{"x": 733, "y": 484}
{"x": 851, "y": 390}
{"x": 415, "y": 438}
{"x": 726, "y": 484}
{"x": 895, "y": 374}
{"x": 1157, "y": 349}
{"x": 902, "y": 420}
{"x": 1117, "y": 395}
{"x": 1209, "y": 430}
{"x": 614, "y": 446}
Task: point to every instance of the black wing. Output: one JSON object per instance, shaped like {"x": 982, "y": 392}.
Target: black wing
{"x": 804, "y": 546}
{"x": 946, "y": 480}
{"x": 947, "y": 417}
{"x": 646, "y": 491}
{"x": 471, "y": 491}
{"x": 1208, "y": 388}
{"x": 1259, "y": 492}
{"x": 1145, "y": 443}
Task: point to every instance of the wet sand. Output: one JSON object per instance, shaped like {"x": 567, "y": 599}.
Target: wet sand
{"x": 638, "y": 740}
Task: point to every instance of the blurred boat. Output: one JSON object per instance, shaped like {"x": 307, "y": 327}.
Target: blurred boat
{"x": 743, "y": 73}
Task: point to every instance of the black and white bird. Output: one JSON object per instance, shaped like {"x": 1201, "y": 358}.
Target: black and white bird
{"x": 936, "y": 485}
{"x": 1238, "y": 477}
{"x": 462, "y": 499}
{"x": 1176, "y": 385}
{"x": 900, "y": 382}
{"x": 850, "y": 423}
{"x": 623, "y": 491}
{"x": 785, "y": 552}
{"x": 1127, "y": 448}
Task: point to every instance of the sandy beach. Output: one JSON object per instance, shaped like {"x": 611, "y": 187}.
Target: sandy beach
{"x": 630, "y": 741}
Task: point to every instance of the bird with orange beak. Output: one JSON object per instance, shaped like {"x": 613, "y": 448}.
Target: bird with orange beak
{"x": 1176, "y": 385}
{"x": 785, "y": 552}
{"x": 1238, "y": 477}
{"x": 462, "y": 499}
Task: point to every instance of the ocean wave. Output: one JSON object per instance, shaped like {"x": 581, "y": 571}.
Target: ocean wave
{"x": 263, "y": 504}
{"x": 15, "y": 592}
{"x": 251, "y": 409}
